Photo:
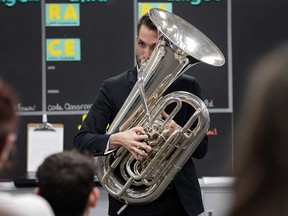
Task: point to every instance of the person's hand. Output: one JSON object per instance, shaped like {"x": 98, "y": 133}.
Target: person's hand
{"x": 170, "y": 126}
{"x": 132, "y": 140}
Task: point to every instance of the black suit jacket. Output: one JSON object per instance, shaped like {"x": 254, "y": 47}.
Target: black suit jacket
{"x": 113, "y": 93}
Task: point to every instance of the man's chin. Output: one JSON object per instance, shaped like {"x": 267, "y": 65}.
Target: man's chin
{"x": 138, "y": 63}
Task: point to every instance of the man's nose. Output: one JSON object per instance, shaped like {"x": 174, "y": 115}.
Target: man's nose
{"x": 147, "y": 52}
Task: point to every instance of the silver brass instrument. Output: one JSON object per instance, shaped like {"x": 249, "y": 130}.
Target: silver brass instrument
{"x": 180, "y": 46}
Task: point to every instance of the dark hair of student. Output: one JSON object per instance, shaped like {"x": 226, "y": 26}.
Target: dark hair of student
{"x": 66, "y": 180}
{"x": 8, "y": 113}
{"x": 261, "y": 158}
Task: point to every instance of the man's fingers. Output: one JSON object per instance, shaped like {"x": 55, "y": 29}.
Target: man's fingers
{"x": 137, "y": 153}
{"x": 139, "y": 130}
{"x": 164, "y": 115}
{"x": 142, "y": 137}
{"x": 144, "y": 146}
{"x": 141, "y": 146}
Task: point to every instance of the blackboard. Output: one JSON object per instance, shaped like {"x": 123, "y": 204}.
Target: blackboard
{"x": 62, "y": 89}
{"x": 261, "y": 26}
{"x": 103, "y": 36}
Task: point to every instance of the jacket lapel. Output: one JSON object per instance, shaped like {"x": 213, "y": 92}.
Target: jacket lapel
{"x": 132, "y": 78}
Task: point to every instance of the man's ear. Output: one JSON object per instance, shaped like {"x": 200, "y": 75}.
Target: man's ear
{"x": 93, "y": 197}
{"x": 37, "y": 191}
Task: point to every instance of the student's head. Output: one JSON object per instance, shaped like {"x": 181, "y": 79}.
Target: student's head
{"x": 66, "y": 181}
{"x": 147, "y": 37}
{"x": 8, "y": 121}
{"x": 262, "y": 141}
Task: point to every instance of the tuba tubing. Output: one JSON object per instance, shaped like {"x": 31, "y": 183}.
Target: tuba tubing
{"x": 180, "y": 46}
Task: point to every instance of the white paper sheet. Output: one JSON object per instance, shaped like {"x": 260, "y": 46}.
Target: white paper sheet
{"x": 42, "y": 143}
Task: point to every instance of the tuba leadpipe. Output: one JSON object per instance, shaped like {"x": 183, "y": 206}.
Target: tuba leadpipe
{"x": 180, "y": 46}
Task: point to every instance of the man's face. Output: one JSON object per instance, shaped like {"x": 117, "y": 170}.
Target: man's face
{"x": 146, "y": 42}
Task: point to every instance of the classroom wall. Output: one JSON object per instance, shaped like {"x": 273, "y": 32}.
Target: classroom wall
{"x": 57, "y": 65}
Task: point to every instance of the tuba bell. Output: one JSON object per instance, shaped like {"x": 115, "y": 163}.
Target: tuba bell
{"x": 180, "y": 46}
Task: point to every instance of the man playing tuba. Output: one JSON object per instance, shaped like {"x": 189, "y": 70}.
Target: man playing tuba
{"x": 183, "y": 194}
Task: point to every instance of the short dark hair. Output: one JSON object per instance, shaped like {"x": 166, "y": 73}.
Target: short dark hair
{"x": 145, "y": 20}
{"x": 66, "y": 180}
{"x": 262, "y": 143}
{"x": 8, "y": 113}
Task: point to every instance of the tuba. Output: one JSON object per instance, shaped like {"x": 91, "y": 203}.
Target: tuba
{"x": 180, "y": 46}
